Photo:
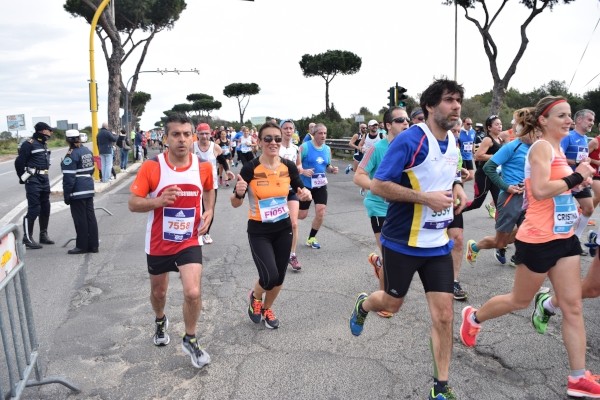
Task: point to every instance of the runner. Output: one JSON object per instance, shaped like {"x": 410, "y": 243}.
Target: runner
{"x": 314, "y": 162}
{"x": 396, "y": 120}
{"x": 417, "y": 177}
{"x": 268, "y": 179}
{"x": 509, "y": 210}
{"x": 171, "y": 188}
{"x": 289, "y": 151}
{"x": 545, "y": 244}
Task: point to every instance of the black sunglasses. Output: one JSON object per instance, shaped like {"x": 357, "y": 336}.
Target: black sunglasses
{"x": 400, "y": 120}
{"x": 269, "y": 139}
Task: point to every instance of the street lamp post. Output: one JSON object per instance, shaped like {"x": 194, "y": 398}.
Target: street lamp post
{"x": 157, "y": 71}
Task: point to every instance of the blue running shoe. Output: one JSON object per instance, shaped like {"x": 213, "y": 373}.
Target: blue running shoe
{"x": 312, "y": 242}
{"x": 500, "y": 255}
{"x": 591, "y": 244}
{"x": 348, "y": 169}
{"x": 447, "y": 395}
{"x": 357, "y": 319}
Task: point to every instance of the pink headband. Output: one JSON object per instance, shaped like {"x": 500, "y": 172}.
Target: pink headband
{"x": 552, "y": 105}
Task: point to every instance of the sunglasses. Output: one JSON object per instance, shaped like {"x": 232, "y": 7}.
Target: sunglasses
{"x": 269, "y": 139}
{"x": 468, "y": 123}
{"x": 400, "y": 120}
{"x": 203, "y": 133}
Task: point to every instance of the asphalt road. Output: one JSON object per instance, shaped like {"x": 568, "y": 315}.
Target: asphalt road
{"x": 95, "y": 323}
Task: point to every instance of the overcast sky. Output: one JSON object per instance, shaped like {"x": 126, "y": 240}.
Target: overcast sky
{"x": 44, "y": 54}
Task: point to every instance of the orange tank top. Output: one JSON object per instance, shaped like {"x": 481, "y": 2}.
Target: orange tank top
{"x": 553, "y": 218}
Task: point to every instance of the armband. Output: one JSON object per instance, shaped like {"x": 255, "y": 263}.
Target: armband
{"x": 573, "y": 180}
{"x": 457, "y": 183}
{"x": 239, "y": 197}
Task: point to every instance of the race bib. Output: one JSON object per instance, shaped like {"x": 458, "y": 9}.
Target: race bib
{"x": 178, "y": 223}
{"x": 438, "y": 219}
{"x": 565, "y": 213}
{"x": 468, "y": 146}
{"x": 225, "y": 150}
{"x": 273, "y": 209}
{"x": 318, "y": 180}
{"x": 582, "y": 154}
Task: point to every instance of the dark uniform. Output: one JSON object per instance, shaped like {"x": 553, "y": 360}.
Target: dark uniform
{"x": 34, "y": 158}
{"x": 78, "y": 189}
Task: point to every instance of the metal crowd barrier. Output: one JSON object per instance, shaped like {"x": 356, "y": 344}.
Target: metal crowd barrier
{"x": 17, "y": 329}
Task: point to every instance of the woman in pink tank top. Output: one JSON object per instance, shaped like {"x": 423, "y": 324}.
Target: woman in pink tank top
{"x": 546, "y": 245}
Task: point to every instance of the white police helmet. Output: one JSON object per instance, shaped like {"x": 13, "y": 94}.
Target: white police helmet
{"x": 72, "y": 133}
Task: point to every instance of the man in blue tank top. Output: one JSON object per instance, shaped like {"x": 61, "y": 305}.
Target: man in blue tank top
{"x": 417, "y": 178}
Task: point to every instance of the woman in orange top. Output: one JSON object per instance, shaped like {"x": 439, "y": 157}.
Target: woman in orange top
{"x": 268, "y": 179}
{"x": 546, "y": 245}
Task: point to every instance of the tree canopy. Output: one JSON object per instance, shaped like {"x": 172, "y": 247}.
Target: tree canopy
{"x": 489, "y": 44}
{"x": 120, "y": 37}
{"x": 328, "y": 65}
{"x": 241, "y": 91}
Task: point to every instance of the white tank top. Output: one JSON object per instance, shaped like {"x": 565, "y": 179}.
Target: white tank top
{"x": 209, "y": 155}
{"x": 289, "y": 153}
{"x": 431, "y": 230}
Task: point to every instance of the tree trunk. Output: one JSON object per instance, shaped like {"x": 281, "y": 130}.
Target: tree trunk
{"x": 326, "y": 97}
{"x": 498, "y": 93}
{"x": 114, "y": 93}
{"x": 241, "y": 112}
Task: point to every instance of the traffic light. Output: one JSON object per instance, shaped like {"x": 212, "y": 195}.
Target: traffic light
{"x": 400, "y": 96}
{"x": 392, "y": 97}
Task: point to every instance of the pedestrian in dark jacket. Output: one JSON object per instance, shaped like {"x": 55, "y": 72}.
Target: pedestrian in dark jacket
{"x": 105, "y": 141}
{"x": 78, "y": 191}
{"x": 32, "y": 167}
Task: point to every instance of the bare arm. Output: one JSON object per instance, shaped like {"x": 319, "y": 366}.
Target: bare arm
{"x": 361, "y": 178}
{"x": 144, "y": 204}
{"x": 208, "y": 197}
{"x": 391, "y": 191}
{"x": 541, "y": 185}
{"x": 484, "y": 146}
{"x": 352, "y": 140}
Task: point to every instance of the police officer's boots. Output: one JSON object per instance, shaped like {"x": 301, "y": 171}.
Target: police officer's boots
{"x": 27, "y": 239}
{"x": 44, "y": 239}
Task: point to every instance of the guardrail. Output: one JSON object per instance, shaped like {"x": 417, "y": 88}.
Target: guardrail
{"x": 340, "y": 146}
{"x": 19, "y": 339}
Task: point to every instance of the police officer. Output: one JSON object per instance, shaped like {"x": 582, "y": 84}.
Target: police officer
{"x": 32, "y": 166}
{"x": 78, "y": 189}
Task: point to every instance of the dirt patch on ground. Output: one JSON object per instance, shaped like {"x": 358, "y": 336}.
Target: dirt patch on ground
{"x": 7, "y": 157}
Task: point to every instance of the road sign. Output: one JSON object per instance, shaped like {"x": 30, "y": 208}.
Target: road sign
{"x": 16, "y": 122}
{"x": 359, "y": 118}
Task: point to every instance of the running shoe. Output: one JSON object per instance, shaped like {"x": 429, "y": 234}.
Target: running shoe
{"x": 207, "y": 239}
{"x": 459, "y": 293}
{"x": 190, "y": 347}
{"x": 161, "y": 337}
{"x": 447, "y": 395}
{"x": 270, "y": 319}
{"x": 491, "y": 209}
{"x": 254, "y": 308}
{"x": 513, "y": 261}
{"x": 293, "y": 261}
{"x": 362, "y": 192}
{"x": 375, "y": 262}
{"x": 468, "y": 329}
{"x": 591, "y": 244}
{"x": 348, "y": 168}
{"x": 357, "y": 319}
{"x": 591, "y": 222}
{"x": 540, "y": 316}
{"x": 312, "y": 242}
{"x": 227, "y": 183}
{"x": 471, "y": 255}
{"x": 500, "y": 255}
{"x": 586, "y": 386}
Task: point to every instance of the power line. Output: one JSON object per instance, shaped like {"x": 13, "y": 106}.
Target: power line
{"x": 583, "y": 54}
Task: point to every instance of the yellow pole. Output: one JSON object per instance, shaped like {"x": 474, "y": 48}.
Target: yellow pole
{"x": 93, "y": 87}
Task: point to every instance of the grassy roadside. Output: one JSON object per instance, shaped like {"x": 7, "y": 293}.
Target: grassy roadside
{"x": 10, "y": 147}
